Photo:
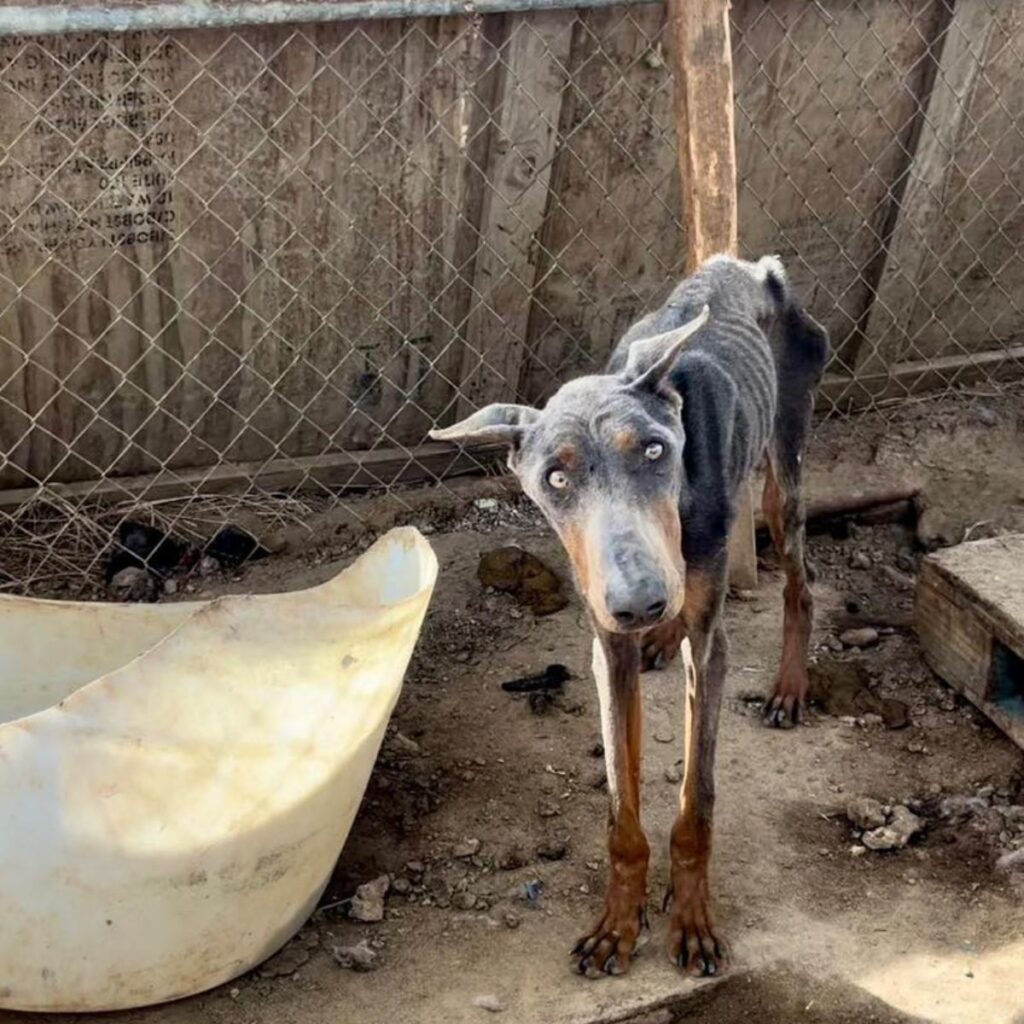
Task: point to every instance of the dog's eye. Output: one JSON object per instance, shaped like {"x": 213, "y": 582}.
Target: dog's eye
{"x": 654, "y": 451}
{"x": 558, "y": 479}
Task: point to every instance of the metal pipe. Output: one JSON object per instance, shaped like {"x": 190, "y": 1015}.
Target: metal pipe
{"x": 64, "y": 19}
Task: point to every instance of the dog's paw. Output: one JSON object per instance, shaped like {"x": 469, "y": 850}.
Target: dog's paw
{"x": 785, "y": 707}
{"x": 609, "y": 947}
{"x": 660, "y": 645}
{"x": 782, "y": 711}
{"x": 693, "y": 944}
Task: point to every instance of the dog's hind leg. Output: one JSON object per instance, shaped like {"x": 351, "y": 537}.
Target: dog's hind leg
{"x": 608, "y": 947}
{"x": 800, "y": 365}
{"x": 783, "y": 510}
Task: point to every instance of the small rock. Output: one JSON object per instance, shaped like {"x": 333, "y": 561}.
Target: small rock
{"x": 511, "y": 920}
{"x": 987, "y": 792}
{"x": 170, "y": 587}
{"x": 865, "y": 636}
{"x": 957, "y": 808}
{"x": 900, "y": 580}
{"x": 547, "y": 809}
{"x": 865, "y": 813}
{"x": 490, "y": 1003}
{"x": 486, "y": 504}
{"x": 466, "y": 848}
{"x": 286, "y": 963}
{"x": 894, "y": 836}
{"x": 663, "y": 735}
{"x": 895, "y": 713}
{"x": 597, "y": 750}
{"x": 359, "y": 957}
{"x": 208, "y": 566}
{"x": 402, "y": 886}
{"x": 870, "y": 719}
{"x": 415, "y": 867}
{"x": 518, "y": 572}
{"x": 1013, "y": 815}
{"x": 402, "y": 742}
{"x": 674, "y": 773}
{"x": 860, "y": 560}
{"x": 554, "y": 850}
{"x": 133, "y": 584}
{"x": 986, "y": 415}
{"x": 1012, "y": 861}
{"x": 464, "y": 900}
{"x": 368, "y": 903}
{"x": 512, "y": 859}
{"x": 988, "y": 822}
{"x": 858, "y": 851}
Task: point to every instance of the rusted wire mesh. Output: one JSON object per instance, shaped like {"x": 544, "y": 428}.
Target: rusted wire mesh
{"x": 243, "y": 271}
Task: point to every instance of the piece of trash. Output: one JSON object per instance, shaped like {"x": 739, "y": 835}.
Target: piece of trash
{"x": 531, "y": 890}
{"x": 232, "y": 546}
{"x": 133, "y": 584}
{"x": 552, "y": 678}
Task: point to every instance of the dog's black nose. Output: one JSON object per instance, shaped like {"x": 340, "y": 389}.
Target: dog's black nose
{"x": 639, "y": 610}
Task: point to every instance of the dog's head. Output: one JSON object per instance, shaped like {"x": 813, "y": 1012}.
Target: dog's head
{"x": 603, "y": 461}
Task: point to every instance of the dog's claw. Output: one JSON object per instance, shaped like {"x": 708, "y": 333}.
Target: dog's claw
{"x": 608, "y": 949}
{"x": 781, "y": 712}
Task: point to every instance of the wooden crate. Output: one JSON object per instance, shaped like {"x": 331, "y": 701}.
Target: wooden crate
{"x": 969, "y": 612}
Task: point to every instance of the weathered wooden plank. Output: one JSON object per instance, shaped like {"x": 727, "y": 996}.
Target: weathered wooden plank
{"x": 913, "y": 252}
{"x": 705, "y": 136}
{"x": 825, "y": 98}
{"x": 522, "y": 141}
{"x": 611, "y": 243}
{"x": 248, "y": 259}
{"x": 919, "y": 377}
{"x": 969, "y": 615}
{"x": 970, "y": 294}
{"x": 338, "y": 472}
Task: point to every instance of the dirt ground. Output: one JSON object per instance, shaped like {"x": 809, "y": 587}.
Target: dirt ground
{"x": 487, "y": 811}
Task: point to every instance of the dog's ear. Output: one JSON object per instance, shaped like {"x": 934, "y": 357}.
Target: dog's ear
{"x": 650, "y": 359}
{"x": 493, "y": 424}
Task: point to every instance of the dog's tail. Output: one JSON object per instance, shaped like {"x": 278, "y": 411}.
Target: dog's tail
{"x": 804, "y": 346}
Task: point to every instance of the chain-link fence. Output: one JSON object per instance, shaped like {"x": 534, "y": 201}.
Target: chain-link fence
{"x": 244, "y": 269}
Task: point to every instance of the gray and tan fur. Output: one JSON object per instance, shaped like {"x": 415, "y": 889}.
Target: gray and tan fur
{"x": 638, "y": 470}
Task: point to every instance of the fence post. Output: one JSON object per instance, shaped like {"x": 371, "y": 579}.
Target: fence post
{"x": 702, "y": 66}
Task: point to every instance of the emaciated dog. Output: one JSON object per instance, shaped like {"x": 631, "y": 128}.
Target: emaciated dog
{"x": 638, "y": 471}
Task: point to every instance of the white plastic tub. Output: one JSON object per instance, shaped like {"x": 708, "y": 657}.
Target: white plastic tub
{"x": 176, "y": 781}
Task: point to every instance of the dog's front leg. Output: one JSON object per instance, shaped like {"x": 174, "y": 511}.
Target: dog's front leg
{"x": 611, "y": 943}
{"x": 692, "y": 942}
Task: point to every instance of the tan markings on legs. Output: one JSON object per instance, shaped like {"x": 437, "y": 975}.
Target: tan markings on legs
{"x": 693, "y": 943}
{"x": 784, "y": 515}
{"x": 609, "y": 946}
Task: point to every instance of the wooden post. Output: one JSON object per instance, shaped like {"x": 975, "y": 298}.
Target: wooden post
{"x": 706, "y": 139}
